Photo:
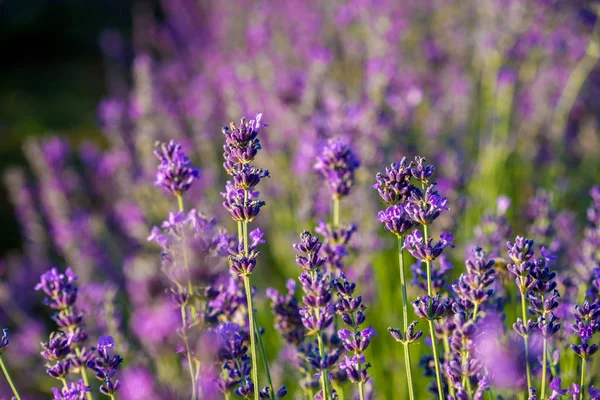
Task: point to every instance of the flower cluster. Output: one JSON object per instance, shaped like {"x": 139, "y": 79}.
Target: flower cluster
{"x": 288, "y": 320}
{"x": 337, "y": 163}
{"x": 73, "y": 391}
{"x": 175, "y": 171}
{"x": 105, "y": 365}
{"x": 65, "y": 346}
{"x": 190, "y": 239}
{"x": 318, "y": 312}
{"x": 240, "y": 148}
{"x": 355, "y": 341}
{"x": 587, "y": 323}
{"x": 474, "y": 287}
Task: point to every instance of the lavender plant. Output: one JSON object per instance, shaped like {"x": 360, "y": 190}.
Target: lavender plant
{"x": 501, "y": 96}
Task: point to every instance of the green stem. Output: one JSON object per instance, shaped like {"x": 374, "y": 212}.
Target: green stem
{"x": 438, "y": 375}
{"x": 185, "y": 261}
{"x": 525, "y": 339}
{"x": 189, "y": 354}
{"x": 446, "y": 342}
{"x": 582, "y": 381}
{"x": 324, "y": 380}
{"x": 336, "y": 212}
{"x": 263, "y": 355}
{"x": 428, "y": 263}
{"x": 475, "y": 311}
{"x": 9, "y": 379}
{"x": 544, "y": 362}
{"x": 252, "y": 327}
{"x": 405, "y": 319}
{"x": 88, "y": 395}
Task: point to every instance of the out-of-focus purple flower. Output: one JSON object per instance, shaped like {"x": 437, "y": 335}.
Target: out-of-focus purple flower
{"x": 337, "y": 163}
{"x": 556, "y": 390}
{"x": 288, "y": 320}
{"x": 138, "y": 384}
{"x": 175, "y": 171}
{"x": 4, "y": 341}
{"x": 439, "y": 273}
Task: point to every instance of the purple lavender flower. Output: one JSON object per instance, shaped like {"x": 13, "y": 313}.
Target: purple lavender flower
{"x": 308, "y": 252}
{"x": 410, "y": 336}
{"x": 396, "y": 219}
{"x": 73, "y": 391}
{"x": 59, "y": 288}
{"x": 175, "y": 171}
{"x": 337, "y": 163}
{"x": 394, "y": 186}
{"x": 431, "y": 308}
{"x": 424, "y": 208}
{"x": 358, "y": 341}
{"x": 105, "y": 365}
{"x": 288, "y": 320}
{"x": 240, "y": 205}
{"x": 356, "y": 367}
{"x": 241, "y": 143}
{"x": 420, "y": 170}
{"x": 426, "y": 252}
{"x": 556, "y": 390}
{"x": 4, "y": 341}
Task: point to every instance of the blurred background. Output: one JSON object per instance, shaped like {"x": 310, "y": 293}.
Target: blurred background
{"x": 502, "y": 95}
{"x": 52, "y": 76}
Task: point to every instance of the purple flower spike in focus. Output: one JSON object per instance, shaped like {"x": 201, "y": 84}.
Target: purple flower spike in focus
{"x": 175, "y": 171}
{"x": 422, "y": 171}
{"x": 415, "y": 244}
{"x": 396, "y": 219}
{"x": 105, "y": 365}
{"x": 431, "y": 308}
{"x": 337, "y": 163}
{"x": 241, "y": 144}
{"x": 59, "y": 288}
{"x": 394, "y": 186}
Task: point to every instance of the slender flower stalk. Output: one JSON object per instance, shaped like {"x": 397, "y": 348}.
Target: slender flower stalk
{"x": 240, "y": 149}
{"x": 407, "y": 361}
{"x": 4, "y": 341}
{"x": 521, "y": 252}
{"x": 177, "y": 174}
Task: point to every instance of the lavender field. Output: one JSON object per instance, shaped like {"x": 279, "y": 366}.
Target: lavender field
{"x": 304, "y": 199}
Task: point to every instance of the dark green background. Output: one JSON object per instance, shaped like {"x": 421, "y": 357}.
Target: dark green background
{"x": 51, "y": 76}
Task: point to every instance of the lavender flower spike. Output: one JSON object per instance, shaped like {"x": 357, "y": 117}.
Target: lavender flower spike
{"x": 337, "y": 163}
{"x": 175, "y": 171}
{"x": 106, "y": 365}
